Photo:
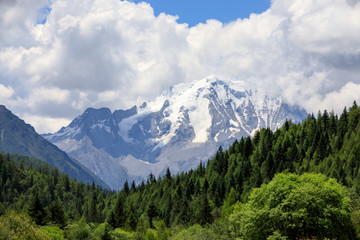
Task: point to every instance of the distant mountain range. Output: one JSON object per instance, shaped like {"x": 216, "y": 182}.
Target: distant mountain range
{"x": 183, "y": 126}
{"x": 20, "y": 138}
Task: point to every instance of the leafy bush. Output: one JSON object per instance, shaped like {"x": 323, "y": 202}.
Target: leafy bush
{"x": 78, "y": 231}
{"x": 54, "y": 232}
{"x": 197, "y": 232}
{"x": 122, "y": 234}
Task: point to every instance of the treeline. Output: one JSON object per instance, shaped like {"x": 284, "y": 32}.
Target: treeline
{"x": 327, "y": 144}
{"x": 201, "y": 200}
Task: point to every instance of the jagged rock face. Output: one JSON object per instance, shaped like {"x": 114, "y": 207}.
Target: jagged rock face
{"x": 183, "y": 126}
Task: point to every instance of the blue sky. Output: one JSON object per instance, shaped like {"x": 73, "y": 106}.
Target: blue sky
{"x": 196, "y": 11}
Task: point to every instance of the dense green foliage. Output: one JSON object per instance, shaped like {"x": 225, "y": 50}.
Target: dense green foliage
{"x": 307, "y": 206}
{"x": 18, "y": 227}
{"x": 202, "y": 203}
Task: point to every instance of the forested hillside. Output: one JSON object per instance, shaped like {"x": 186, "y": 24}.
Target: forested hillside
{"x": 20, "y": 138}
{"x": 214, "y": 201}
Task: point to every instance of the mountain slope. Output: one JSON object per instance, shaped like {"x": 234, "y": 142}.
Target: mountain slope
{"x": 18, "y": 137}
{"x": 183, "y": 126}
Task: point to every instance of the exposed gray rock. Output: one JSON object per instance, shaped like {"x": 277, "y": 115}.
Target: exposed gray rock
{"x": 178, "y": 129}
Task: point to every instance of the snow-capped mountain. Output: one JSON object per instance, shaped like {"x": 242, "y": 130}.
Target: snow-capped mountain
{"x": 183, "y": 126}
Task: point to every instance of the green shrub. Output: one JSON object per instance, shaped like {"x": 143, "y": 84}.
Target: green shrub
{"x": 54, "y": 232}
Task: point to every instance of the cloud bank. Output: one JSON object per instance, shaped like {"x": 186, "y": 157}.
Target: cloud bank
{"x": 58, "y": 58}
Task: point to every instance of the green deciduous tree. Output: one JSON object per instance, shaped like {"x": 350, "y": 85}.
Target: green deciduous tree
{"x": 14, "y": 226}
{"x": 297, "y": 207}
{"x": 78, "y": 231}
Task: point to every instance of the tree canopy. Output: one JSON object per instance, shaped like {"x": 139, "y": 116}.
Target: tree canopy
{"x": 297, "y": 207}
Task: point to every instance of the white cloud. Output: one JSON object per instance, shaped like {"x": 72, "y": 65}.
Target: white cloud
{"x": 54, "y": 95}
{"x": 330, "y": 101}
{"x": 116, "y": 53}
{"x": 17, "y": 19}
{"x": 325, "y": 27}
{"x": 5, "y": 94}
{"x": 45, "y": 124}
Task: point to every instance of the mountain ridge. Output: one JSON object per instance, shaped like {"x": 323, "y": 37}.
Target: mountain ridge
{"x": 21, "y": 138}
{"x": 181, "y": 127}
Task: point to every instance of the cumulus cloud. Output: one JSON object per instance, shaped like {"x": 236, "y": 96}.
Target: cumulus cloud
{"x": 5, "y": 93}
{"x": 112, "y": 53}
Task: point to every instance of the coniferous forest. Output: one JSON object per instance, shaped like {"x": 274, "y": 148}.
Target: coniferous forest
{"x": 300, "y": 182}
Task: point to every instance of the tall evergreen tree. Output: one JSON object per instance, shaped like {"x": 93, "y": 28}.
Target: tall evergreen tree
{"x": 56, "y": 214}
{"x": 152, "y": 213}
{"x": 93, "y": 214}
{"x": 168, "y": 174}
{"x": 119, "y": 211}
{"x": 126, "y": 187}
{"x": 133, "y": 187}
{"x": 132, "y": 219}
{"x": 204, "y": 212}
{"x": 37, "y": 211}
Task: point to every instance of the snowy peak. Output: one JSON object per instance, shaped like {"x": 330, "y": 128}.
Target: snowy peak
{"x": 184, "y": 125}
{"x": 215, "y": 109}
{"x": 185, "y": 104}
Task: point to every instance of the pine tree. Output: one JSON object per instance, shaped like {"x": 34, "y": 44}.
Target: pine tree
{"x": 189, "y": 190}
{"x": 183, "y": 217}
{"x": 56, "y": 213}
{"x": 119, "y": 212}
{"x": 112, "y": 220}
{"x": 204, "y": 215}
{"x": 168, "y": 174}
{"x": 151, "y": 179}
{"x": 201, "y": 169}
{"x": 132, "y": 219}
{"x": 126, "y": 187}
{"x": 93, "y": 214}
{"x": 168, "y": 209}
{"x": 152, "y": 213}
{"x": 37, "y": 211}
{"x": 205, "y": 186}
{"x": 133, "y": 187}
{"x": 343, "y": 122}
